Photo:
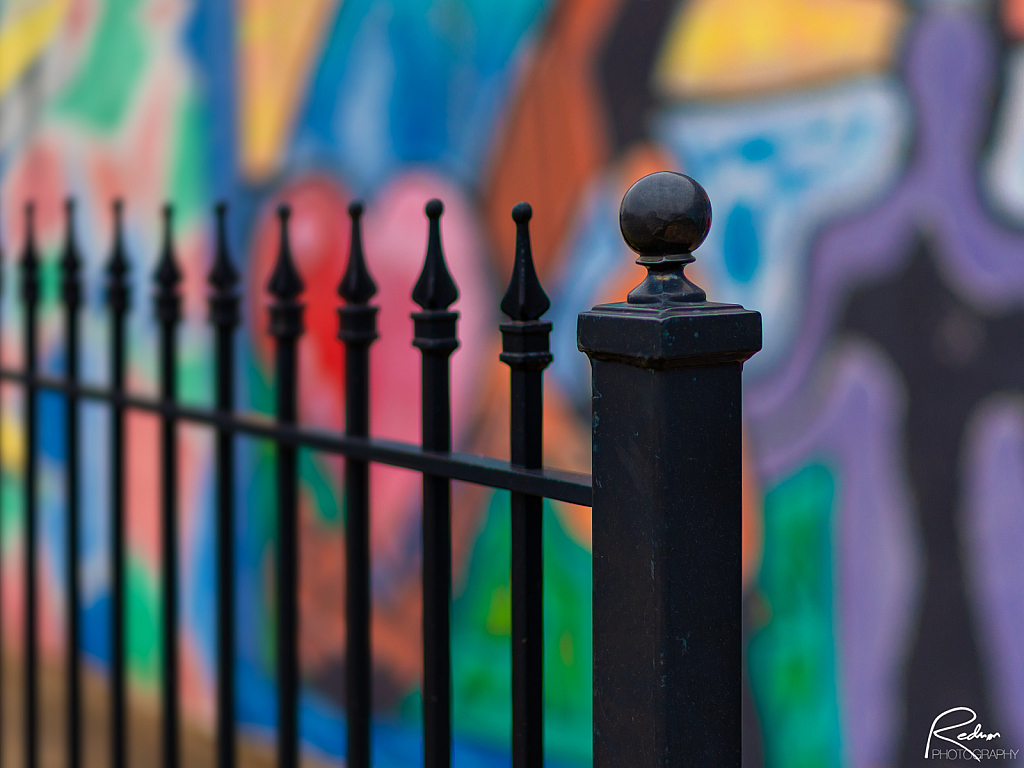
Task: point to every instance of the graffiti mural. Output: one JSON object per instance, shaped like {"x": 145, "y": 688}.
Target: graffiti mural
{"x": 865, "y": 161}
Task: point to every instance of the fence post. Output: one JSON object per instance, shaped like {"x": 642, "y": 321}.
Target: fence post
{"x": 667, "y": 496}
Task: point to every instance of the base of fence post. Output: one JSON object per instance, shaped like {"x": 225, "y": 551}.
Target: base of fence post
{"x": 667, "y": 514}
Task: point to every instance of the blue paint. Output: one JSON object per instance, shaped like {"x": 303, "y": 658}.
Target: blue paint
{"x": 757, "y": 150}
{"x": 741, "y": 248}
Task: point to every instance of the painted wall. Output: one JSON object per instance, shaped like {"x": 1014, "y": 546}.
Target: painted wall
{"x": 865, "y": 161}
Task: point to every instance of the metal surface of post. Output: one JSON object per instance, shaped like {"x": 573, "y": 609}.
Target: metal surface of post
{"x": 224, "y": 315}
{"x": 357, "y": 328}
{"x": 117, "y": 299}
{"x": 71, "y": 293}
{"x": 167, "y": 303}
{"x": 434, "y": 335}
{"x": 286, "y": 326}
{"x": 667, "y": 496}
{"x": 30, "y": 297}
{"x": 525, "y": 348}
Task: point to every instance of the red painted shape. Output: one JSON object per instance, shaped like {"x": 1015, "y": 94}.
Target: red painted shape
{"x": 319, "y": 238}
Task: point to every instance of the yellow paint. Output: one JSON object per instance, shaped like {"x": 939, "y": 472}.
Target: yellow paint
{"x": 736, "y": 47}
{"x": 12, "y": 445}
{"x": 25, "y": 32}
{"x": 277, "y": 42}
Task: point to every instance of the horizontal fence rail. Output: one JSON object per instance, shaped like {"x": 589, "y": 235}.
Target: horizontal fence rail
{"x": 525, "y": 350}
{"x": 557, "y": 484}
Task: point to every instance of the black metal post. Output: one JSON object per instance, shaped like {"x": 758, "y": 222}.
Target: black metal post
{"x": 117, "y": 299}
{"x": 357, "y": 328}
{"x": 30, "y": 298}
{"x": 667, "y": 496}
{"x": 167, "y": 303}
{"x": 286, "y": 326}
{"x": 71, "y": 292}
{"x": 525, "y": 348}
{"x": 224, "y": 315}
{"x": 434, "y": 335}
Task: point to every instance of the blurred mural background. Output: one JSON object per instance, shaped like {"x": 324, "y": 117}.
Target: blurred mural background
{"x": 865, "y": 161}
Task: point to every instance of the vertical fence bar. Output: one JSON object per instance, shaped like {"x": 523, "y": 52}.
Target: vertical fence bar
{"x": 225, "y": 316}
{"x": 71, "y": 292}
{"x": 117, "y": 300}
{"x": 357, "y": 328}
{"x": 525, "y": 348}
{"x": 167, "y": 303}
{"x": 434, "y": 335}
{"x": 30, "y": 297}
{"x": 667, "y": 496}
{"x": 286, "y": 326}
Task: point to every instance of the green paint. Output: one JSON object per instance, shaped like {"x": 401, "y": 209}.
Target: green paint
{"x": 195, "y": 374}
{"x": 261, "y": 501}
{"x": 481, "y": 629}
{"x": 260, "y": 385}
{"x": 792, "y": 658}
{"x": 142, "y": 608}
{"x": 106, "y": 82}
{"x": 12, "y": 499}
{"x": 316, "y": 479}
{"x": 49, "y": 284}
{"x": 188, "y": 179}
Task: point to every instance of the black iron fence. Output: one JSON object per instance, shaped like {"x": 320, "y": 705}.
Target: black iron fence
{"x": 665, "y": 489}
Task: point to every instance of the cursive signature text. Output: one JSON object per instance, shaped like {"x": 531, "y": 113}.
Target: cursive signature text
{"x": 977, "y": 733}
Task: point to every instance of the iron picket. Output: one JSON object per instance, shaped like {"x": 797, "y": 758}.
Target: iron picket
{"x": 117, "y": 300}
{"x": 224, "y": 316}
{"x": 357, "y": 330}
{"x": 30, "y": 297}
{"x": 286, "y": 326}
{"x": 71, "y": 294}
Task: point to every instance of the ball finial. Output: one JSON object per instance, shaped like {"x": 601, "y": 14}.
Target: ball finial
{"x": 663, "y": 217}
{"x": 665, "y": 214}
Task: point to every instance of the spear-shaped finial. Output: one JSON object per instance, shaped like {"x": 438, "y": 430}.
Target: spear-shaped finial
{"x": 435, "y": 288}
{"x": 285, "y": 283}
{"x": 223, "y": 275}
{"x": 117, "y": 267}
{"x": 71, "y": 259}
{"x": 167, "y": 274}
{"x": 30, "y": 254}
{"x": 30, "y": 257}
{"x": 357, "y": 286}
{"x": 525, "y": 298}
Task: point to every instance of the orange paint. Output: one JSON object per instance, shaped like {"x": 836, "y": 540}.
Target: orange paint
{"x": 555, "y": 140}
{"x": 1013, "y": 18}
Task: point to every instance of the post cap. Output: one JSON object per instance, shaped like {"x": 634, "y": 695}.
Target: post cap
{"x": 664, "y": 217}
{"x": 666, "y": 322}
